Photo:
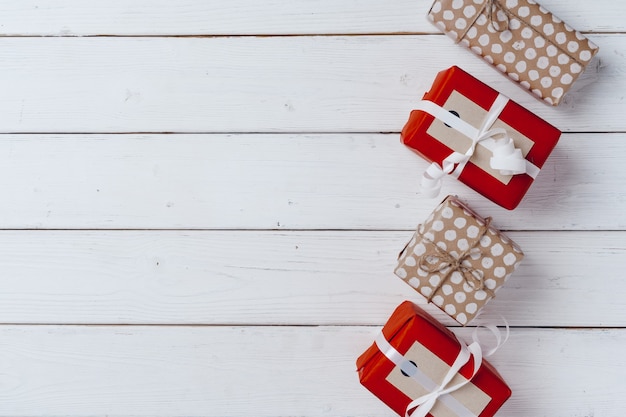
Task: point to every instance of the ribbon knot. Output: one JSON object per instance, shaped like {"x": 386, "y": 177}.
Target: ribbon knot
{"x": 456, "y": 264}
{"x": 506, "y": 158}
{"x": 420, "y": 407}
{"x": 438, "y": 260}
{"x": 492, "y": 7}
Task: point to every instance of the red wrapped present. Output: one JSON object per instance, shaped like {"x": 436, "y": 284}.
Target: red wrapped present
{"x": 470, "y": 131}
{"x": 419, "y": 368}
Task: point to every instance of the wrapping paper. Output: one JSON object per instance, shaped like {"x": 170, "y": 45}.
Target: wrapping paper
{"x": 457, "y": 260}
{"x": 520, "y": 38}
{"x": 464, "y": 96}
{"x": 432, "y": 350}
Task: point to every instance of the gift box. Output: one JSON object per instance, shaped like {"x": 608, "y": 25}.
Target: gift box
{"x": 487, "y": 141}
{"x": 520, "y": 38}
{"x": 418, "y": 367}
{"x": 458, "y": 260}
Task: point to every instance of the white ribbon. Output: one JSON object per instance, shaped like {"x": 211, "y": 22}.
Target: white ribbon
{"x": 506, "y": 158}
{"x": 421, "y": 406}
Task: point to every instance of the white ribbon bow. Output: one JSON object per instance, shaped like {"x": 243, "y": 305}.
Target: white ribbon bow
{"x": 421, "y": 406}
{"x": 506, "y": 158}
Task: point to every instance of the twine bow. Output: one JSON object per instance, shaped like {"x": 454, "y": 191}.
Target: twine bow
{"x": 438, "y": 260}
{"x": 492, "y": 7}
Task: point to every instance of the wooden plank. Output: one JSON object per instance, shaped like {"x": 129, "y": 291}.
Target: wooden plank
{"x": 275, "y": 371}
{"x": 245, "y": 17}
{"x": 279, "y": 278}
{"x": 264, "y": 84}
{"x": 281, "y": 182}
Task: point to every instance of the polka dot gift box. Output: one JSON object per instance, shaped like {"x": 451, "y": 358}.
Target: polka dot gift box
{"x": 471, "y": 132}
{"x": 521, "y": 38}
{"x": 414, "y": 358}
{"x": 458, "y": 260}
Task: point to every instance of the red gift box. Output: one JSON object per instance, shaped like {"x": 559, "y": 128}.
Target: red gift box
{"x": 424, "y": 352}
{"x": 487, "y": 114}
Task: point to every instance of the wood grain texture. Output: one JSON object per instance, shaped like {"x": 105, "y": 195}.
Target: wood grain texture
{"x": 261, "y": 84}
{"x": 273, "y": 181}
{"x": 249, "y": 17}
{"x": 202, "y": 203}
{"x": 275, "y": 371}
{"x": 338, "y": 278}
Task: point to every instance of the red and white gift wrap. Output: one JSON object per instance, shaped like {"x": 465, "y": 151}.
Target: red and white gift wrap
{"x": 470, "y": 131}
{"x": 419, "y": 368}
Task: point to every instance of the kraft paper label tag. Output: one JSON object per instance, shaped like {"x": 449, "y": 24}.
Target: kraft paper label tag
{"x": 470, "y": 396}
{"x": 473, "y": 114}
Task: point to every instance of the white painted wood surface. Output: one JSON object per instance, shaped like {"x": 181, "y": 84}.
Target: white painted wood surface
{"x": 284, "y": 278}
{"x": 269, "y": 371}
{"x": 281, "y": 181}
{"x": 262, "y": 84}
{"x": 200, "y": 221}
{"x": 247, "y": 17}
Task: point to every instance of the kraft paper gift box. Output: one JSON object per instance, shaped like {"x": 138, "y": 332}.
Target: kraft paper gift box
{"x": 485, "y": 140}
{"x": 413, "y": 355}
{"x": 457, "y": 260}
{"x": 520, "y": 38}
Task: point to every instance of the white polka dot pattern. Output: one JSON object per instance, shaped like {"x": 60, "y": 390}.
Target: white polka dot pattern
{"x": 537, "y": 49}
{"x": 492, "y": 255}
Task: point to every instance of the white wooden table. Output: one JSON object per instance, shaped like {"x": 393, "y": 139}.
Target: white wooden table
{"x": 202, "y": 202}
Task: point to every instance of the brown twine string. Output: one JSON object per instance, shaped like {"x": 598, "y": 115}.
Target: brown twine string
{"x": 494, "y": 6}
{"x": 444, "y": 260}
